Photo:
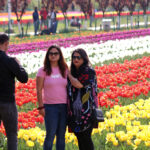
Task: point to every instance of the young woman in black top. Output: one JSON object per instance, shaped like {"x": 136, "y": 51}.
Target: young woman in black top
{"x": 82, "y": 99}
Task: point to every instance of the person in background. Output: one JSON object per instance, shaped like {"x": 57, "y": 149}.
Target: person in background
{"x": 91, "y": 16}
{"x": 49, "y": 19}
{"x": 73, "y": 21}
{"x": 53, "y": 15}
{"x": 54, "y": 20}
{"x": 43, "y": 14}
{"x": 10, "y": 69}
{"x": 51, "y": 82}
{"x": 78, "y": 22}
{"x": 36, "y": 20}
{"x": 72, "y": 7}
{"x": 82, "y": 99}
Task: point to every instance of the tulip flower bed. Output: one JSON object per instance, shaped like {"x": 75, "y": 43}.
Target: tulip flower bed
{"x": 124, "y": 127}
{"x": 113, "y": 80}
{"x": 112, "y": 77}
{"x": 78, "y": 35}
{"x": 36, "y": 46}
{"x": 31, "y": 39}
{"x": 123, "y": 72}
{"x": 99, "y": 54}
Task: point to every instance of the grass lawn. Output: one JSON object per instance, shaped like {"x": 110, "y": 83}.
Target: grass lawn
{"x": 96, "y": 23}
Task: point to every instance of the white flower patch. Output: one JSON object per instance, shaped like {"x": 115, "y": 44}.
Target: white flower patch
{"x": 98, "y": 53}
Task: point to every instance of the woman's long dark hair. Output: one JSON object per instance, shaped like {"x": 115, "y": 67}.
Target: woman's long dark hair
{"x": 61, "y": 62}
{"x": 86, "y": 62}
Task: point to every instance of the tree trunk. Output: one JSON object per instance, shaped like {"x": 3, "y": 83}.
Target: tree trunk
{"x": 103, "y": 14}
{"x": 19, "y": 27}
{"x": 131, "y": 21}
{"x": 145, "y": 20}
{"x": 65, "y": 19}
{"x": 85, "y": 23}
{"x": 118, "y": 22}
{"x": 9, "y": 14}
{"x": 66, "y": 23}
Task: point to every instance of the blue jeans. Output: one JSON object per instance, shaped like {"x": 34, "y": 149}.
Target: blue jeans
{"x": 55, "y": 123}
{"x": 9, "y": 116}
{"x": 91, "y": 20}
{"x": 54, "y": 26}
{"x": 36, "y": 27}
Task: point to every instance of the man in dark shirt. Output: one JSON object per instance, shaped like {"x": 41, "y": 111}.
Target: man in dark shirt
{"x": 36, "y": 20}
{"x": 9, "y": 70}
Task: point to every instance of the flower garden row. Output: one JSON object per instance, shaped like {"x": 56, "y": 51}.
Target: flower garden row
{"x": 67, "y": 42}
{"x": 126, "y": 126}
{"x": 126, "y": 84}
{"x": 98, "y": 53}
{"x": 108, "y": 74}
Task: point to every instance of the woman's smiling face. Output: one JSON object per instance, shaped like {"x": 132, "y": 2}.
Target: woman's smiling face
{"x": 77, "y": 60}
{"x": 54, "y": 55}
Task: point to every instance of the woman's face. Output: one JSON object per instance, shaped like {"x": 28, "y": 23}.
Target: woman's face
{"x": 77, "y": 60}
{"x": 54, "y": 55}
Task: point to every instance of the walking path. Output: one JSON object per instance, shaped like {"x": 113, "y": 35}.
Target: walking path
{"x": 93, "y": 28}
{"x": 121, "y": 26}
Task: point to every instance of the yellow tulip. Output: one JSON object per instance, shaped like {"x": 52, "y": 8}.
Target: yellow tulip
{"x": 115, "y": 142}
{"x": 108, "y": 114}
{"x": 147, "y": 143}
{"x": 123, "y": 138}
{"x": 26, "y": 137}
{"x": 130, "y": 135}
{"x": 110, "y": 137}
{"x": 129, "y": 127}
{"x": 129, "y": 123}
{"x": 129, "y": 142}
{"x": 137, "y": 141}
{"x": 30, "y": 143}
{"x": 136, "y": 123}
{"x": 33, "y": 137}
{"x": 117, "y": 107}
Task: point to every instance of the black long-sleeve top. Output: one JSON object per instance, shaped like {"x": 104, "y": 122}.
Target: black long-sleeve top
{"x": 9, "y": 69}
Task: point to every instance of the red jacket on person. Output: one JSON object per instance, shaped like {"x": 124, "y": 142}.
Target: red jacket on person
{"x": 43, "y": 14}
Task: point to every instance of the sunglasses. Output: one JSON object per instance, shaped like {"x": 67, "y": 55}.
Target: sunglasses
{"x": 76, "y": 57}
{"x": 55, "y": 53}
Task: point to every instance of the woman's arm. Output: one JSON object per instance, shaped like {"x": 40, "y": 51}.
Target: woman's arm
{"x": 75, "y": 82}
{"x": 39, "y": 87}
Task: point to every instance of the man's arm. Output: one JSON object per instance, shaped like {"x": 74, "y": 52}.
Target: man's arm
{"x": 17, "y": 70}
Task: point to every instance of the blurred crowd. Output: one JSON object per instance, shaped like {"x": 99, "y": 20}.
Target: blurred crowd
{"x": 44, "y": 21}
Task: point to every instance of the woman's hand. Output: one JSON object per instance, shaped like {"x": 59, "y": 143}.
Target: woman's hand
{"x": 42, "y": 112}
{"x": 75, "y": 82}
{"x": 68, "y": 71}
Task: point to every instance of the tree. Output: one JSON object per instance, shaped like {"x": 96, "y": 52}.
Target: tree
{"x": 144, "y": 5}
{"x": 131, "y": 6}
{"x": 118, "y": 5}
{"x": 85, "y": 6}
{"x": 48, "y": 4}
{"x": 19, "y": 8}
{"x": 103, "y": 4}
{"x": 64, "y": 5}
{"x": 2, "y": 4}
{"x": 2, "y": 7}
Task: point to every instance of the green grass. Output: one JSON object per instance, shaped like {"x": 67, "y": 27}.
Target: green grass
{"x": 96, "y": 23}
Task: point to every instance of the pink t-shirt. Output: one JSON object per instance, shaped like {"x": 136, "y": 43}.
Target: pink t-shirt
{"x": 54, "y": 90}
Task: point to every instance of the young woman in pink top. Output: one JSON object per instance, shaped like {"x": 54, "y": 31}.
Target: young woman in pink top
{"x": 51, "y": 85}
